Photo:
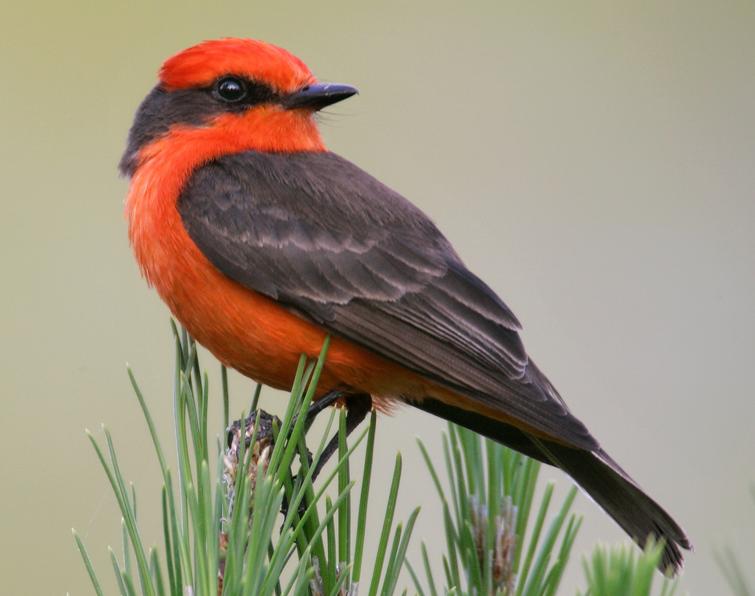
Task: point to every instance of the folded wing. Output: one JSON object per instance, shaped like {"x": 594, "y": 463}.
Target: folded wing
{"x": 329, "y": 241}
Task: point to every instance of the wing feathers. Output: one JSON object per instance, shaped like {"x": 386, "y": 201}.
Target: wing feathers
{"x": 322, "y": 236}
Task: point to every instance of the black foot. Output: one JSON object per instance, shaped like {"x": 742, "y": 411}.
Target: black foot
{"x": 330, "y": 398}
{"x": 358, "y": 405}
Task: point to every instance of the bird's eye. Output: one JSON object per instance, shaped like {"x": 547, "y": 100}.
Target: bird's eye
{"x": 231, "y": 89}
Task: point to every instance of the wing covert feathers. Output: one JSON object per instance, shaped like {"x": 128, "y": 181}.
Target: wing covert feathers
{"x": 328, "y": 240}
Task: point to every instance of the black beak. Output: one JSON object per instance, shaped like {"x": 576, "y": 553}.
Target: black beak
{"x": 317, "y": 96}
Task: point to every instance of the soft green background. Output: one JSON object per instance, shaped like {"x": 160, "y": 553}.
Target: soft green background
{"x": 593, "y": 161}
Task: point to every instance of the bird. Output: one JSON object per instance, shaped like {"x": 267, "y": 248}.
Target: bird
{"x": 263, "y": 243}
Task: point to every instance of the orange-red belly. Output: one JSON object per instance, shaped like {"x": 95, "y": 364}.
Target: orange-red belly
{"x": 263, "y": 340}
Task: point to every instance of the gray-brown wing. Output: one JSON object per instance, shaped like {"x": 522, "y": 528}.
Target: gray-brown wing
{"x": 328, "y": 240}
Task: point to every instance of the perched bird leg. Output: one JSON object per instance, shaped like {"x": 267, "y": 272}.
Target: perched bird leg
{"x": 326, "y": 400}
{"x": 358, "y": 405}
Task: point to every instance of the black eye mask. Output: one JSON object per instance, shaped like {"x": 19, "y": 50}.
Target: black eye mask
{"x": 162, "y": 109}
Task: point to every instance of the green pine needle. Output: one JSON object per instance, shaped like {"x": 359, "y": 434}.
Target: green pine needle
{"x": 222, "y": 521}
{"x": 621, "y": 571}
{"x": 489, "y": 546}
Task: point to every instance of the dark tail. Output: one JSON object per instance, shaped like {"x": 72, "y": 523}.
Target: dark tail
{"x": 601, "y": 477}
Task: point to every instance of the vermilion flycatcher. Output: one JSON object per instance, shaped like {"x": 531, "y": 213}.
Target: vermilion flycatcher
{"x": 262, "y": 242}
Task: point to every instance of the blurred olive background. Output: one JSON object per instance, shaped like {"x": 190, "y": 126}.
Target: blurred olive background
{"x": 595, "y": 163}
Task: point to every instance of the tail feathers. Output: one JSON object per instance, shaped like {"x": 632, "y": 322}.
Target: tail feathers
{"x": 599, "y": 475}
{"x": 620, "y": 496}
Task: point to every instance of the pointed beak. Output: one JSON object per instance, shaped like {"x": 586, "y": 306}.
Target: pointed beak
{"x": 317, "y": 96}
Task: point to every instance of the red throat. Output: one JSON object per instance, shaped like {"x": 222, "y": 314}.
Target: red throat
{"x": 265, "y": 128}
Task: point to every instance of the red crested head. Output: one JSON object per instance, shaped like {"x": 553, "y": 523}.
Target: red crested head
{"x": 228, "y": 96}
{"x": 203, "y": 63}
